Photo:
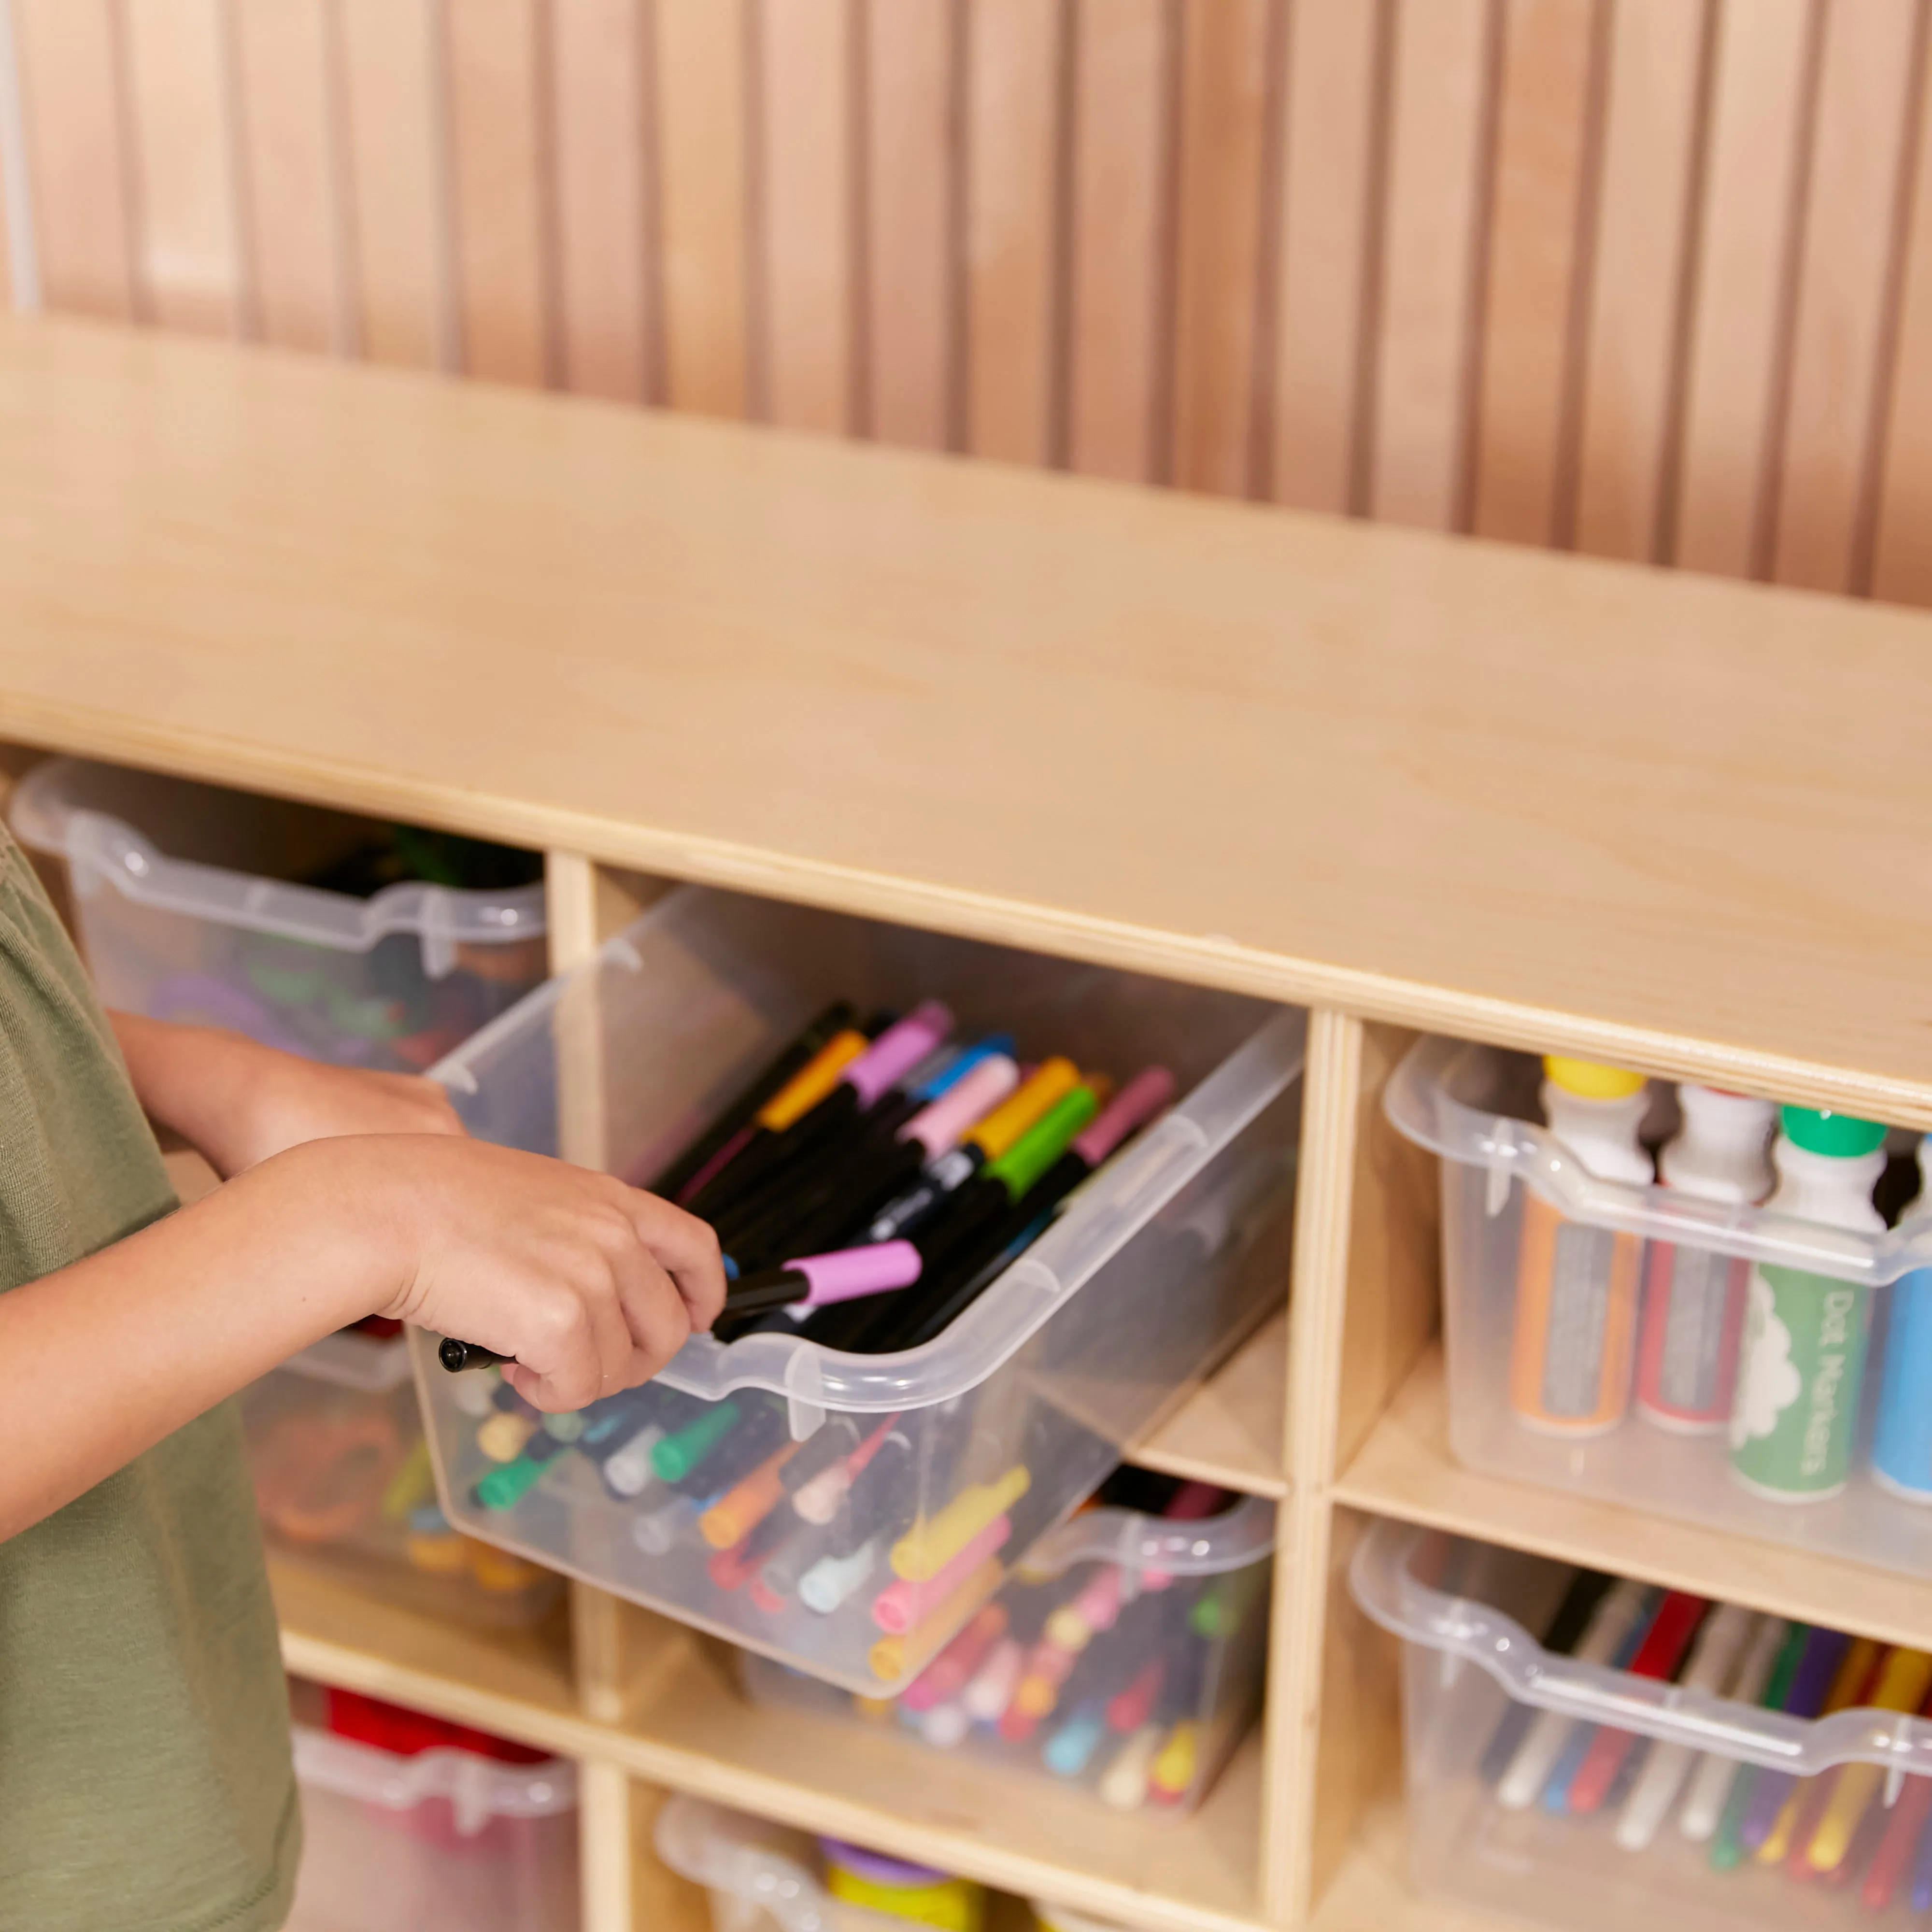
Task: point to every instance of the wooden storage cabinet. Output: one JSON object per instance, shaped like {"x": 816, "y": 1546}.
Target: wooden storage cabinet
{"x": 1397, "y": 780}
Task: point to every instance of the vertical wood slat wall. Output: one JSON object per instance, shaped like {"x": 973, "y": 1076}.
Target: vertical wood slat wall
{"x": 1648, "y": 278}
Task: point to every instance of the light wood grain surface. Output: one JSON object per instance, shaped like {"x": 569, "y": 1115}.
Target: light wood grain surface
{"x": 1665, "y": 821}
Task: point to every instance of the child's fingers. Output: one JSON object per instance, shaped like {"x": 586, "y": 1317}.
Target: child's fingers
{"x": 659, "y": 1321}
{"x": 686, "y": 1249}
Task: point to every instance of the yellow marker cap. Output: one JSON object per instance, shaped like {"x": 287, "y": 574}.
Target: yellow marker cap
{"x": 1174, "y": 1769}
{"x": 1590, "y": 1079}
{"x": 1052, "y": 1080}
{"x": 812, "y": 1082}
{"x": 894, "y": 1659}
{"x": 934, "y": 1541}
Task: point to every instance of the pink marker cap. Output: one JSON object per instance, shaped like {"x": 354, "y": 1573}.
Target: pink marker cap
{"x": 1136, "y": 1103}
{"x": 898, "y": 1050}
{"x": 847, "y": 1272}
{"x": 900, "y": 1605}
{"x": 938, "y": 1127}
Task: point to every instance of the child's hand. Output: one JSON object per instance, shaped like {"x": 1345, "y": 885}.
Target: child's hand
{"x": 237, "y": 1102}
{"x": 592, "y": 1286}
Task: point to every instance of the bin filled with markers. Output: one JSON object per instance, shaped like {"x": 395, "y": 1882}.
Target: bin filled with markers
{"x": 332, "y": 936}
{"x": 343, "y": 1486}
{"x": 1595, "y": 1753}
{"x": 1123, "y": 1658}
{"x": 413, "y": 1824}
{"x": 1681, "y": 1299}
{"x": 991, "y": 1215}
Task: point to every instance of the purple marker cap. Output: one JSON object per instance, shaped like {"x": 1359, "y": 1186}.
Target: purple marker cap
{"x": 1135, "y": 1104}
{"x": 851, "y": 1272}
{"x": 898, "y": 1050}
{"x": 937, "y": 1127}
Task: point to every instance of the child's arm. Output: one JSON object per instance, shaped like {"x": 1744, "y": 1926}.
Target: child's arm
{"x": 592, "y": 1285}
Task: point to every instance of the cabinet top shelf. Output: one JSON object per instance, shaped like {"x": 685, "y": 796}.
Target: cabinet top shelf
{"x": 1656, "y": 818}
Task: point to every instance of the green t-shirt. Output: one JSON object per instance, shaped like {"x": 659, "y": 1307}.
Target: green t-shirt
{"x": 144, "y": 1777}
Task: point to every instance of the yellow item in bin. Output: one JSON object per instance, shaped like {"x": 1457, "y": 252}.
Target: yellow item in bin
{"x": 411, "y": 1486}
{"x": 437, "y": 1552}
{"x": 1590, "y": 1079}
{"x": 1174, "y": 1769}
{"x": 502, "y": 1437}
{"x": 497, "y": 1569}
{"x": 917, "y": 1892}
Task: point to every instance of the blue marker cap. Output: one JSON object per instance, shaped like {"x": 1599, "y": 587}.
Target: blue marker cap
{"x": 961, "y": 1063}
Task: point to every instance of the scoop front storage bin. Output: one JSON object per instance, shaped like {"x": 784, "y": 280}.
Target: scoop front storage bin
{"x": 1123, "y": 1659}
{"x": 1722, "y": 1815}
{"x": 1152, "y": 1269}
{"x": 1828, "y": 1322}
{"x": 182, "y": 920}
{"x": 445, "y": 1841}
{"x": 343, "y": 1485}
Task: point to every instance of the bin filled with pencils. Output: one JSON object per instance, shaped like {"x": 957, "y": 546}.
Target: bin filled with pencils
{"x": 343, "y": 1486}
{"x": 991, "y": 1215}
{"x": 1689, "y": 1301}
{"x": 1596, "y": 1753}
{"x": 1123, "y": 1658}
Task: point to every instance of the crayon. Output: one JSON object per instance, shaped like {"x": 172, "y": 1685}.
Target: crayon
{"x": 1657, "y": 1657}
{"x": 1616, "y": 1615}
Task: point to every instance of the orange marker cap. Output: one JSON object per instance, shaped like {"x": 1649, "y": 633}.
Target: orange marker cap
{"x": 1052, "y": 1080}
{"x": 812, "y": 1082}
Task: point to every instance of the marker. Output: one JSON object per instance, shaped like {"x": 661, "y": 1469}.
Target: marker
{"x": 502, "y": 1437}
{"x": 1071, "y": 1748}
{"x": 743, "y": 1508}
{"x": 1856, "y": 1677}
{"x": 818, "y": 1281}
{"x": 1048, "y": 1667}
{"x": 945, "y": 1726}
{"x": 1922, "y": 1875}
{"x": 901, "y": 1605}
{"x": 817, "y": 1499}
{"x": 730, "y": 1569}
{"x": 1051, "y": 1081}
{"x": 1773, "y": 1653}
{"x": 933, "y": 1541}
{"x": 1586, "y": 1590}
{"x": 456, "y": 1356}
{"x": 1720, "y": 1642}
{"x": 740, "y": 1114}
{"x": 834, "y": 1439}
{"x": 1903, "y": 1831}
{"x": 1173, "y": 1768}
{"x": 1093, "y": 1609}
{"x": 627, "y": 1470}
{"x": 504, "y": 1487}
{"x": 1189, "y": 1503}
{"x": 1657, "y": 1657}
{"x": 1903, "y": 1681}
{"x": 1824, "y": 1651}
{"x": 943, "y": 1679}
{"x": 1124, "y": 1784}
{"x": 1616, "y": 1616}
{"x": 833, "y": 1579}
{"x": 929, "y": 1086}
{"x": 990, "y": 1689}
{"x": 892, "y": 1657}
{"x": 656, "y": 1530}
{"x": 1901, "y": 1452}
{"x": 1130, "y": 1708}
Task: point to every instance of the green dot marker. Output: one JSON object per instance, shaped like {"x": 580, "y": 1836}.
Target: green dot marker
{"x": 678, "y": 1454}
{"x": 503, "y": 1488}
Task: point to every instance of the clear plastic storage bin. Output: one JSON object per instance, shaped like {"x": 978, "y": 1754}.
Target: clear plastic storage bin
{"x": 180, "y": 922}
{"x": 762, "y": 1877}
{"x": 1123, "y": 1659}
{"x": 1009, "y": 1418}
{"x": 343, "y": 1485}
{"x": 1475, "y": 1107}
{"x": 444, "y": 1840}
{"x": 1493, "y": 1723}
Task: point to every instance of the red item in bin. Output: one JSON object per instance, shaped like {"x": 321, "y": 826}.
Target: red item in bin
{"x": 391, "y": 1728}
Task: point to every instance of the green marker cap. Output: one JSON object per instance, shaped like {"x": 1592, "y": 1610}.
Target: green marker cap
{"x": 504, "y": 1487}
{"x": 1044, "y": 1142}
{"x": 677, "y": 1455}
{"x": 1819, "y": 1130}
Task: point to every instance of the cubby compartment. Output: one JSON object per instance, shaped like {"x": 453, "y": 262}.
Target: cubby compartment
{"x": 343, "y": 1485}
{"x": 989, "y": 1433}
{"x": 271, "y": 919}
{"x": 1641, "y": 1345}
{"x": 1124, "y": 1659}
{"x": 412, "y": 1825}
{"x": 1592, "y": 1796}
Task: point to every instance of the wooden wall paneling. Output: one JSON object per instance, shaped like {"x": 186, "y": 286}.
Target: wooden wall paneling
{"x": 1902, "y": 559}
{"x": 79, "y": 170}
{"x": 1227, "y": 47}
{"x": 1632, "y": 332}
{"x": 1119, "y": 286}
{"x": 499, "y": 54}
{"x": 909, "y": 262}
{"x": 1741, "y": 288}
{"x": 1538, "y": 254}
{"x": 807, "y": 171}
{"x": 395, "y": 163}
{"x": 187, "y": 256}
{"x": 1335, "y": 94}
{"x": 1825, "y": 471}
{"x": 291, "y": 179}
{"x": 602, "y": 147}
{"x": 1015, "y": 49}
{"x": 661, "y": 1901}
{"x": 1432, "y": 234}
{"x": 700, "y": 108}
